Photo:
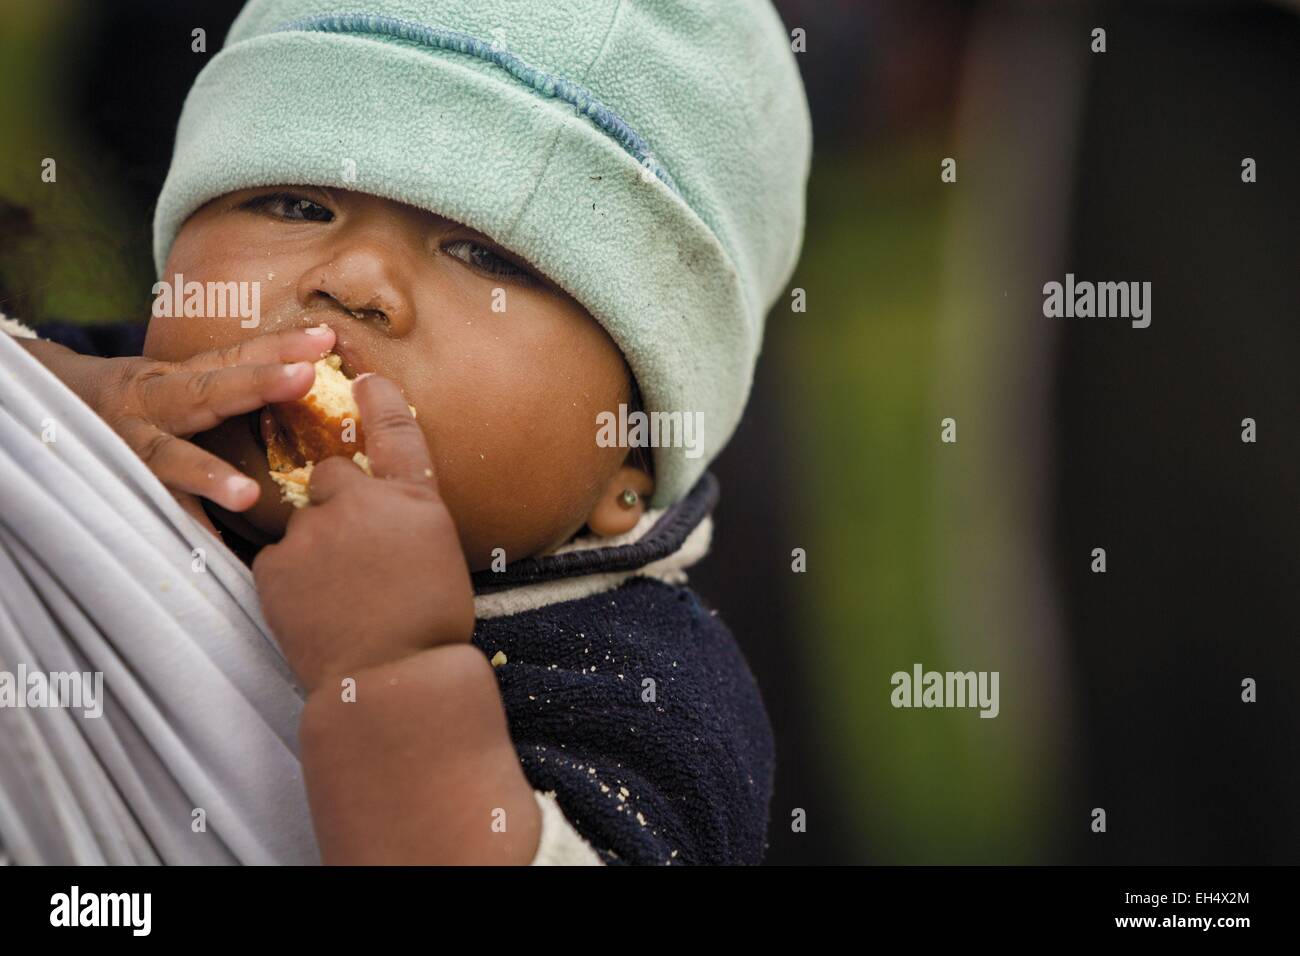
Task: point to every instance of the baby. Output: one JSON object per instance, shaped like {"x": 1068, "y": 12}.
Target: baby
{"x": 513, "y": 221}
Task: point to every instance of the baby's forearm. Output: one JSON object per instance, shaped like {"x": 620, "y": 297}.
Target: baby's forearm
{"x": 420, "y": 768}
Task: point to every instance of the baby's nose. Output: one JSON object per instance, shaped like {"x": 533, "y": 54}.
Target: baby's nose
{"x": 359, "y": 283}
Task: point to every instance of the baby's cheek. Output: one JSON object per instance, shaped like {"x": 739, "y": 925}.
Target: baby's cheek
{"x": 177, "y": 338}
{"x": 521, "y": 498}
{"x": 212, "y": 250}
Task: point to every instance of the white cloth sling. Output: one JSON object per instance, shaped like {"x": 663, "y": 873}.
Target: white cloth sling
{"x": 194, "y": 758}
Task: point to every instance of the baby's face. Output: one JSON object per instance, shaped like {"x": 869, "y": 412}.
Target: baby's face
{"x": 507, "y": 399}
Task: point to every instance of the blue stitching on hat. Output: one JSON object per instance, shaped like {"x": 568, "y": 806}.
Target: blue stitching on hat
{"x": 547, "y": 84}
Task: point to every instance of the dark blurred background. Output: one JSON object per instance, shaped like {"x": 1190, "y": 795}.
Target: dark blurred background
{"x": 1119, "y": 690}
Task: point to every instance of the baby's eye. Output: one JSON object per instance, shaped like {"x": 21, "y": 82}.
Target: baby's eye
{"x": 484, "y": 259}
{"x": 289, "y": 206}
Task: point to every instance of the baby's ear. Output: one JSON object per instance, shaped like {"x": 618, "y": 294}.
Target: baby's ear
{"x": 624, "y": 500}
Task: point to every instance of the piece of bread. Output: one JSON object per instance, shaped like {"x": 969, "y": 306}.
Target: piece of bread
{"x": 294, "y": 483}
{"x": 313, "y": 428}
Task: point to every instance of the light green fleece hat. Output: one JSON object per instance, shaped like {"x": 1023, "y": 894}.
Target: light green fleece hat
{"x": 649, "y": 156}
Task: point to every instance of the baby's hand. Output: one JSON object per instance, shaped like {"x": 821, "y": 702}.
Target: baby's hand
{"x": 372, "y": 570}
{"x": 155, "y": 405}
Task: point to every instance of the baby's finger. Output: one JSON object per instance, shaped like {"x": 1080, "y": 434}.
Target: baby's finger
{"x": 290, "y": 345}
{"x": 187, "y": 468}
{"x": 394, "y": 442}
{"x": 191, "y": 506}
{"x": 186, "y": 402}
{"x": 331, "y": 476}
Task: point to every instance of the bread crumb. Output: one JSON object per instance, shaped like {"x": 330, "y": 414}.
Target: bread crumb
{"x": 293, "y": 485}
{"x": 498, "y": 658}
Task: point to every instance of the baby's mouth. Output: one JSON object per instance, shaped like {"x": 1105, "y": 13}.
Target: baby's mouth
{"x": 348, "y": 360}
{"x": 264, "y": 425}
{"x": 345, "y": 366}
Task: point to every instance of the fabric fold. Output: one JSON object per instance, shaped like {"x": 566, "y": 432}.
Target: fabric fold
{"x": 194, "y": 757}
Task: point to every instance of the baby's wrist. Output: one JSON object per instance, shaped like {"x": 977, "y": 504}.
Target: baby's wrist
{"x": 422, "y": 747}
{"x": 368, "y": 663}
{"x": 421, "y": 690}
{"x": 343, "y": 682}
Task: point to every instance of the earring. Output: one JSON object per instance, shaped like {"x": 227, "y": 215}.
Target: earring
{"x": 628, "y": 498}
